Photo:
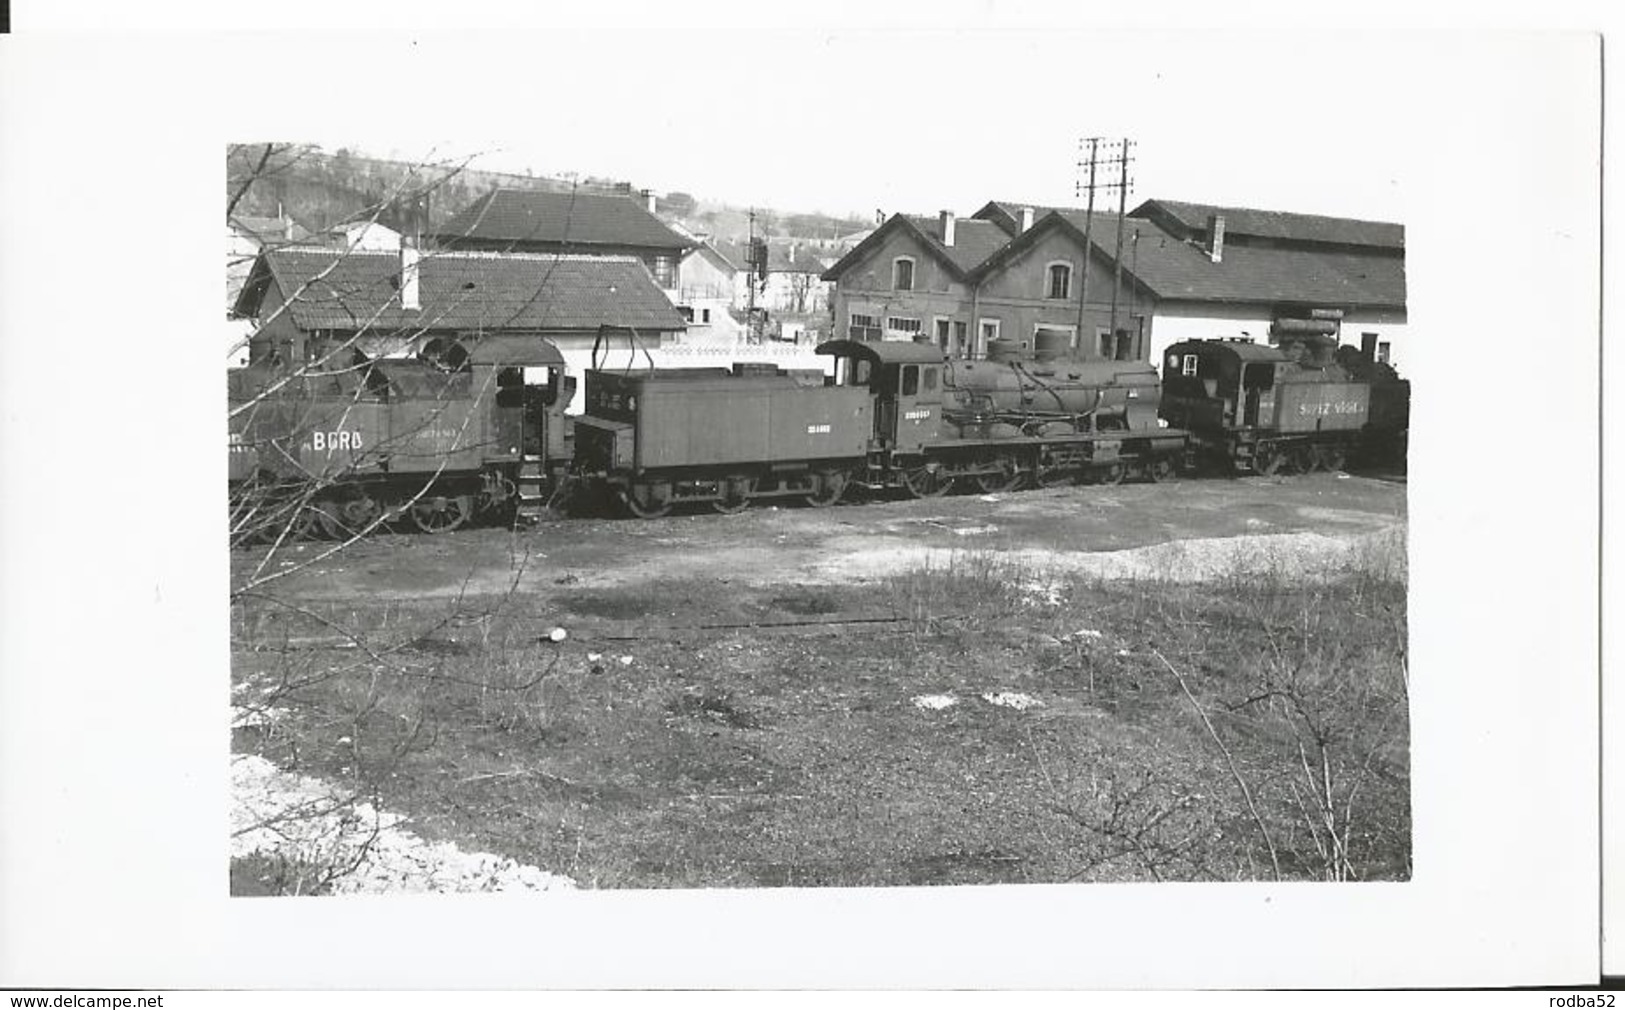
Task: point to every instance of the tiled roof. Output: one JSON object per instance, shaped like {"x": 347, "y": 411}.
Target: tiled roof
{"x": 1007, "y": 213}
{"x": 576, "y": 219}
{"x": 1173, "y": 268}
{"x": 974, "y": 240}
{"x": 1185, "y": 219}
{"x": 463, "y": 290}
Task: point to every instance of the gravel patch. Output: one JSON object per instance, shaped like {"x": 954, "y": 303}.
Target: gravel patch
{"x": 1298, "y": 556}
{"x": 299, "y": 817}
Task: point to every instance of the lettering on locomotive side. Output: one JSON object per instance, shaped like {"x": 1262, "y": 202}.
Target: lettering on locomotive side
{"x": 818, "y": 429}
{"x": 916, "y": 415}
{"x": 327, "y": 441}
{"x": 1330, "y": 407}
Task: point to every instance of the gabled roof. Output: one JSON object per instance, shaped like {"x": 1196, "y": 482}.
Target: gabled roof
{"x": 575, "y": 219}
{"x": 1175, "y": 269}
{"x": 716, "y": 256}
{"x": 1007, "y": 213}
{"x": 460, "y": 290}
{"x": 974, "y": 241}
{"x": 805, "y": 261}
{"x": 1187, "y": 220}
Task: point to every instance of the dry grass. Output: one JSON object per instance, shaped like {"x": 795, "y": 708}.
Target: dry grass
{"x": 786, "y": 755}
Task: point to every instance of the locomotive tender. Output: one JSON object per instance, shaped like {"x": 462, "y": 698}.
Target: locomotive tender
{"x": 434, "y": 441}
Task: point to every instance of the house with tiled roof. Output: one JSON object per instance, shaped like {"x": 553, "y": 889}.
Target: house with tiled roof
{"x": 910, "y": 278}
{"x": 572, "y": 223}
{"x": 308, "y": 299}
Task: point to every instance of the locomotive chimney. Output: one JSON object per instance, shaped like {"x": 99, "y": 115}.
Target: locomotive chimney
{"x": 1215, "y": 237}
{"x": 409, "y": 275}
{"x": 947, "y": 228}
{"x": 1026, "y": 218}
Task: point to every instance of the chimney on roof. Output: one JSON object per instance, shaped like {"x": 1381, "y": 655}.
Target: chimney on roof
{"x": 649, "y": 195}
{"x": 947, "y": 227}
{"x": 1026, "y": 218}
{"x": 1215, "y": 237}
{"x": 792, "y": 256}
{"x": 287, "y": 229}
{"x": 409, "y": 275}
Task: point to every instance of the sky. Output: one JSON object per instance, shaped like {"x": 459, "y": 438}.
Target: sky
{"x": 857, "y": 121}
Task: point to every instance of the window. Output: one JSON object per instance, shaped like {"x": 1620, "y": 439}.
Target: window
{"x": 705, "y": 315}
{"x": 1189, "y": 366}
{"x": 928, "y": 381}
{"x": 664, "y": 274}
{"x": 901, "y": 324}
{"x": 989, "y": 333}
{"x": 1060, "y": 280}
{"x": 1120, "y": 348}
{"x": 1384, "y": 350}
{"x": 863, "y": 327}
{"x": 686, "y": 312}
{"x": 911, "y": 379}
{"x": 942, "y": 333}
{"x": 959, "y": 335}
{"x": 902, "y": 273}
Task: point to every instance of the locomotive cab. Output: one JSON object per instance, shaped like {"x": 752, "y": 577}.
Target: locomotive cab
{"x": 906, "y": 382}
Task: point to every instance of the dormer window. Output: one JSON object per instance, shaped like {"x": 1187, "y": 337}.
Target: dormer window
{"x": 902, "y": 273}
{"x": 1060, "y": 281}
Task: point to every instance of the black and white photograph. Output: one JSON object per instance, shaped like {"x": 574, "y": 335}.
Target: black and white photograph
{"x": 836, "y": 505}
{"x": 591, "y": 536}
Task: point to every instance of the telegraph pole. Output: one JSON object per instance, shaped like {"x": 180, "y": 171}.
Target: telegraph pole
{"x": 750, "y": 281}
{"x": 1121, "y": 159}
{"x": 1088, "y": 224}
{"x": 1123, "y": 184}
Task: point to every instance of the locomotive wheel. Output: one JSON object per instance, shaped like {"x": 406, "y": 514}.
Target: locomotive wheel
{"x": 735, "y": 495}
{"x": 1112, "y": 474}
{"x": 1333, "y": 458}
{"x": 830, "y": 485}
{"x": 1302, "y": 459}
{"x": 650, "y": 508}
{"x": 1055, "y": 476}
{"x": 441, "y": 514}
{"x": 342, "y": 519}
{"x": 1266, "y": 459}
{"x": 1159, "y": 469}
{"x": 1007, "y": 478}
{"x": 926, "y": 482}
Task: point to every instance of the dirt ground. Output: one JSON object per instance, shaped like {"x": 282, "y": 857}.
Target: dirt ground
{"x": 798, "y": 545}
{"x": 971, "y": 689}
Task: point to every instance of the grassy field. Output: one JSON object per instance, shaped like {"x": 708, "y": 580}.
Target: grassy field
{"x": 690, "y": 733}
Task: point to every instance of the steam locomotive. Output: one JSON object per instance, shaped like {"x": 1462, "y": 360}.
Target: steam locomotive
{"x": 439, "y": 442}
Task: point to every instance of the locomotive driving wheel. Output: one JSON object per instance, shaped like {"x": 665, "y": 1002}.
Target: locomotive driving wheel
{"x": 1333, "y": 458}
{"x": 1006, "y": 477}
{"x": 1055, "y": 475}
{"x": 828, "y": 486}
{"x": 641, "y": 502}
{"x": 343, "y": 518}
{"x": 1266, "y": 459}
{"x": 927, "y": 481}
{"x": 1111, "y": 474}
{"x": 441, "y": 513}
{"x": 735, "y": 495}
{"x": 1159, "y": 469}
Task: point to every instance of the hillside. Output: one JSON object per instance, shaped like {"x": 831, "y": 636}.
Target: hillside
{"x": 319, "y": 189}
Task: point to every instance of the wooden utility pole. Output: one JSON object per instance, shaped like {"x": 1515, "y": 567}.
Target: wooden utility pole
{"x": 1123, "y": 184}
{"x": 1088, "y": 224}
